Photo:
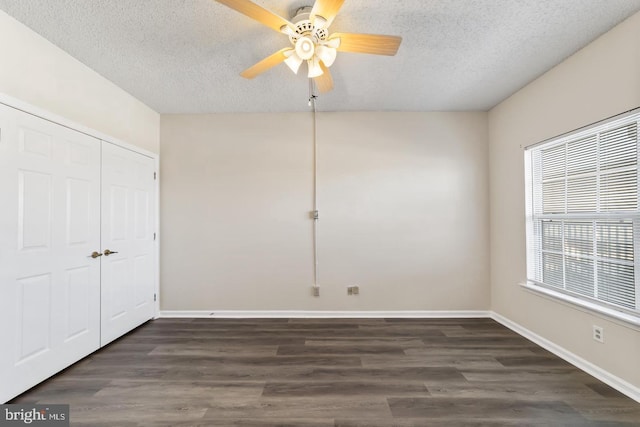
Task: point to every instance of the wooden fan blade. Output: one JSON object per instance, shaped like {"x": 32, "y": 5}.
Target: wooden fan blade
{"x": 324, "y": 82}
{"x": 375, "y": 44}
{"x": 258, "y": 13}
{"x": 262, "y": 66}
{"x": 327, "y": 9}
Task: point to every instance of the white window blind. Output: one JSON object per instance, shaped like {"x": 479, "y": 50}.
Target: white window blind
{"x": 583, "y": 216}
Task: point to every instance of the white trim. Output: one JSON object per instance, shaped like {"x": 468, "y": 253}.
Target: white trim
{"x": 239, "y": 314}
{"x": 156, "y": 241}
{"x": 25, "y": 107}
{"x": 606, "y": 377}
{"x": 619, "y": 317}
{"x": 580, "y": 132}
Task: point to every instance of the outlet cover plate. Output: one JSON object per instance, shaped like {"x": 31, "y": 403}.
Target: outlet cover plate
{"x": 598, "y": 333}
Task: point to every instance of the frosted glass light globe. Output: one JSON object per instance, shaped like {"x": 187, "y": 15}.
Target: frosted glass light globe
{"x": 305, "y": 47}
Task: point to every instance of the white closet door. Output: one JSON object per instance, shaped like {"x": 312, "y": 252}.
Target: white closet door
{"x": 49, "y": 226}
{"x": 128, "y": 217}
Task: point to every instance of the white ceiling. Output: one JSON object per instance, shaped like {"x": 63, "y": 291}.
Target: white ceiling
{"x": 185, "y": 56}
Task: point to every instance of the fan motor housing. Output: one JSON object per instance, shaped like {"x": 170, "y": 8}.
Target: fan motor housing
{"x": 304, "y": 27}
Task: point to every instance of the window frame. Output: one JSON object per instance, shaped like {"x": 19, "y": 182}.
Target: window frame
{"x": 534, "y": 247}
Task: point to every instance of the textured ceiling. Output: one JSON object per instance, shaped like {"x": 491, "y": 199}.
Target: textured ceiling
{"x": 185, "y": 56}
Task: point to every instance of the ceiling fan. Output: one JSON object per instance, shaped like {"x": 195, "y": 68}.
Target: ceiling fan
{"x": 311, "y": 40}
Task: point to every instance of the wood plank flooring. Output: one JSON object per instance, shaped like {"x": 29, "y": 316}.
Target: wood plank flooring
{"x": 330, "y": 372}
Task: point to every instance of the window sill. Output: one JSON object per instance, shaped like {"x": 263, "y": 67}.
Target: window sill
{"x": 622, "y": 318}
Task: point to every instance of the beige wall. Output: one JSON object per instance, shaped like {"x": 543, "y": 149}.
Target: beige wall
{"x": 35, "y": 71}
{"x": 403, "y": 200}
{"x": 599, "y": 81}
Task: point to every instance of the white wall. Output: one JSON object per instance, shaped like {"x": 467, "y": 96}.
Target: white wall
{"x": 599, "y": 81}
{"x": 403, "y": 201}
{"x": 35, "y": 71}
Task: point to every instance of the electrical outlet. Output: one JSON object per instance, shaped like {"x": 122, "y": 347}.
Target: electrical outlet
{"x": 598, "y": 333}
{"x": 353, "y": 290}
{"x": 315, "y": 290}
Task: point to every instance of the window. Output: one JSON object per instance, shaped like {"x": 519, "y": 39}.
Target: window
{"x": 583, "y": 218}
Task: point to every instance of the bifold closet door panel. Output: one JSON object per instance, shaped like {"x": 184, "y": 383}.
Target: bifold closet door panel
{"x": 49, "y": 227}
{"x": 128, "y": 218}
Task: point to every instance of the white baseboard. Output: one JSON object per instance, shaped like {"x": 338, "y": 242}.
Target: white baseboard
{"x": 606, "y": 377}
{"x": 233, "y": 314}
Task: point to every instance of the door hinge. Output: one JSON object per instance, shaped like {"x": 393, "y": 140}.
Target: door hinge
{"x": 155, "y": 297}
{"x": 154, "y": 175}
{"x": 154, "y": 236}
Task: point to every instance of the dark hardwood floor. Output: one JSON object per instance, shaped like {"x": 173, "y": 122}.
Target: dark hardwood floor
{"x": 330, "y": 372}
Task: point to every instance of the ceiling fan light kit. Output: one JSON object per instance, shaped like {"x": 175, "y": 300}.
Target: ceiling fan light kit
{"x": 293, "y": 61}
{"x": 309, "y": 36}
{"x": 305, "y": 48}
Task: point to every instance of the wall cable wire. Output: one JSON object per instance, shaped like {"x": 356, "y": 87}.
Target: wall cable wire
{"x": 312, "y": 104}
